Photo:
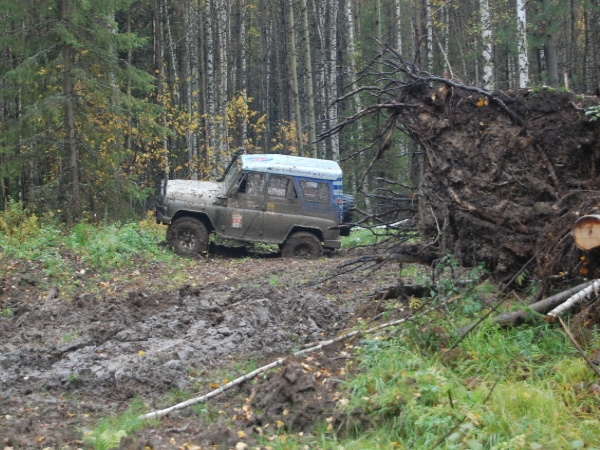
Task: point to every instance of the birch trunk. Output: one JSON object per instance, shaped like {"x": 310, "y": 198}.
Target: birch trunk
{"x": 550, "y": 52}
{"x": 202, "y": 135}
{"x": 310, "y": 93}
{"x": 243, "y": 70}
{"x": 293, "y": 61}
{"x": 429, "y": 35}
{"x": 332, "y": 83}
{"x": 398, "y": 42}
{"x": 222, "y": 78}
{"x": 486, "y": 41}
{"x": 265, "y": 49}
{"x": 356, "y": 99}
{"x": 211, "y": 109}
{"x": 522, "y": 59}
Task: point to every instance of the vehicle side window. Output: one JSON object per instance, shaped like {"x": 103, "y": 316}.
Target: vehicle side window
{"x": 314, "y": 191}
{"x": 280, "y": 186}
{"x": 252, "y": 184}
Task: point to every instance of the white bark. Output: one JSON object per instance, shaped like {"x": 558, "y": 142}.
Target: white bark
{"x": 210, "y": 93}
{"x": 523, "y": 61}
{"x": 223, "y": 7}
{"x": 293, "y": 58}
{"x": 310, "y": 93}
{"x": 332, "y": 111}
{"x": 486, "y": 38}
{"x": 243, "y": 67}
{"x": 356, "y": 98}
{"x": 429, "y": 39}
{"x": 398, "y": 5}
{"x": 576, "y": 298}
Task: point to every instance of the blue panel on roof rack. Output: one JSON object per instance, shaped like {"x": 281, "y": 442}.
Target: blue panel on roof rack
{"x": 293, "y": 165}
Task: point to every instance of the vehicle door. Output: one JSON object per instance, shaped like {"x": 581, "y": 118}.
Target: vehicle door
{"x": 246, "y": 199}
{"x": 283, "y": 205}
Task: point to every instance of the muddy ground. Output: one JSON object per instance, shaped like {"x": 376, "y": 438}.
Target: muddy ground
{"x": 67, "y": 361}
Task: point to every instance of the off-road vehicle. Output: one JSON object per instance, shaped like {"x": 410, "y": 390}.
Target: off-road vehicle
{"x": 292, "y": 201}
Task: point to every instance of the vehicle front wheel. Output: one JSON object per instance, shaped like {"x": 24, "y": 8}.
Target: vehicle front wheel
{"x": 302, "y": 244}
{"x": 188, "y": 236}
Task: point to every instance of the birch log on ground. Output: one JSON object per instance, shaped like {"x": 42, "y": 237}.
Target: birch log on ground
{"x": 576, "y": 298}
{"x": 541, "y": 307}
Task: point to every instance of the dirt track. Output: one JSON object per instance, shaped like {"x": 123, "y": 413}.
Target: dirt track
{"x": 65, "y": 362}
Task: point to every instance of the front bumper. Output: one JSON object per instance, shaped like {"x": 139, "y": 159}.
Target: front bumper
{"x": 332, "y": 244}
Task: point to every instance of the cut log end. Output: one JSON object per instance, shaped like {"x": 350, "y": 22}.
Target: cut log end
{"x": 586, "y": 232}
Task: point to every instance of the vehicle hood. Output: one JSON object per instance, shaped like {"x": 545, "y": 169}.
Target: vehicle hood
{"x": 203, "y": 192}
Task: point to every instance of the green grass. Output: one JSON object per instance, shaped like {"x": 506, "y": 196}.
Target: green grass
{"x": 109, "y": 431}
{"x": 69, "y": 256}
{"x": 501, "y": 389}
{"x": 361, "y": 237}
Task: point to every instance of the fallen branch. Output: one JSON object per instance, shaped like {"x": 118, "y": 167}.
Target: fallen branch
{"x": 579, "y": 349}
{"x": 574, "y": 299}
{"x": 251, "y": 375}
{"x": 541, "y": 307}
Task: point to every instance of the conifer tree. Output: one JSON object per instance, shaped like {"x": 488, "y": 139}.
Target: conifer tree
{"x": 70, "y": 96}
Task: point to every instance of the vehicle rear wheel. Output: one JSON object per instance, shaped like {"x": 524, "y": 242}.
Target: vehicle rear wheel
{"x": 187, "y": 236}
{"x": 302, "y": 244}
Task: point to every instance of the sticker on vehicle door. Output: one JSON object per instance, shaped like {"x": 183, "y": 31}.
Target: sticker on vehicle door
{"x": 236, "y": 221}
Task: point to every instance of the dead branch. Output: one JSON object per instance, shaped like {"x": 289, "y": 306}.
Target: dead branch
{"x": 579, "y": 349}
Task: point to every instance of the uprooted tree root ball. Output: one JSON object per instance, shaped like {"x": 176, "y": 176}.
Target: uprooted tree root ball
{"x": 503, "y": 175}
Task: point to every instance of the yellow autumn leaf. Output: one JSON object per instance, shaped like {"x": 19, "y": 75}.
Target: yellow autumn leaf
{"x": 241, "y": 434}
{"x": 482, "y": 102}
{"x": 141, "y": 353}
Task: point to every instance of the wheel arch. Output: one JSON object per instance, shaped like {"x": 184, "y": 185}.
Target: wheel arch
{"x": 316, "y": 231}
{"x": 201, "y": 216}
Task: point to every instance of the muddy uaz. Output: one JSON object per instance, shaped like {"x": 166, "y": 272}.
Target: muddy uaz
{"x": 292, "y": 201}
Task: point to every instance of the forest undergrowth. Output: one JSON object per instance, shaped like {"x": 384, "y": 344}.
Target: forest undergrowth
{"x": 413, "y": 385}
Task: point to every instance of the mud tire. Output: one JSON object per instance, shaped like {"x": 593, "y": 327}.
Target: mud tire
{"x": 302, "y": 244}
{"x": 188, "y": 236}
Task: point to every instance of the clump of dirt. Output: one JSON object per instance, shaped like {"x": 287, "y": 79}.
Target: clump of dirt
{"x": 65, "y": 362}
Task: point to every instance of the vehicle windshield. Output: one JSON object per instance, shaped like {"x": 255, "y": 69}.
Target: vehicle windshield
{"x": 232, "y": 174}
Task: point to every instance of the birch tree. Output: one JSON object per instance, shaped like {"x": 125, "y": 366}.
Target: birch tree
{"x": 332, "y": 83}
{"x": 522, "y": 49}
{"x": 293, "y": 63}
{"x": 310, "y": 94}
{"x": 486, "y": 44}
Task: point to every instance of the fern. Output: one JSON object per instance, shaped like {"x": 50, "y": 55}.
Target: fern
{"x": 521, "y": 277}
{"x": 110, "y": 439}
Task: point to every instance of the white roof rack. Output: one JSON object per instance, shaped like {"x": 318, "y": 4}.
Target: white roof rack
{"x": 292, "y": 165}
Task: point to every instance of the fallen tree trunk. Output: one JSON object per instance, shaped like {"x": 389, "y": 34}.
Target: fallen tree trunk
{"x": 575, "y": 298}
{"x": 536, "y": 310}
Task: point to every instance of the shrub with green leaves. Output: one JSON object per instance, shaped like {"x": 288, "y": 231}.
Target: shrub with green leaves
{"x": 593, "y": 113}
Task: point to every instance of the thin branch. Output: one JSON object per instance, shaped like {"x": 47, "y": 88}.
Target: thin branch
{"x": 579, "y": 349}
